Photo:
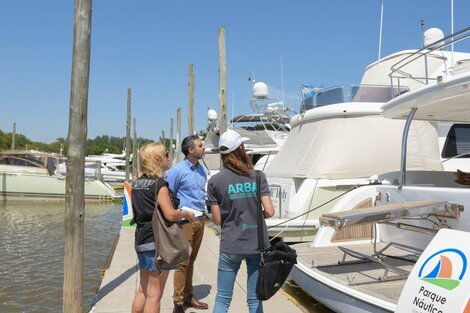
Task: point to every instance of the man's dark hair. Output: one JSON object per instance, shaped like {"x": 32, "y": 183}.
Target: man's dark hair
{"x": 188, "y": 143}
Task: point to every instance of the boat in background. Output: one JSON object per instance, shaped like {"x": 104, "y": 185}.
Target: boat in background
{"x": 29, "y": 175}
{"x": 112, "y": 160}
{"x": 267, "y": 129}
{"x": 94, "y": 168}
{"x": 368, "y": 273}
{"x": 334, "y": 147}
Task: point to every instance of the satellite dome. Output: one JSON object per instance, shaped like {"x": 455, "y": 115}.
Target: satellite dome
{"x": 212, "y": 114}
{"x": 432, "y": 35}
{"x": 260, "y": 90}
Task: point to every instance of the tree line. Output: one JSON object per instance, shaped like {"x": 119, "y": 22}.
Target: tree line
{"x": 98, "y": 145}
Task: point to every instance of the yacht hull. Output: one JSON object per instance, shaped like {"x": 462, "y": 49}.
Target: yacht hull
{"x": 32, "y": 187}
{"x": 324, "y": 291}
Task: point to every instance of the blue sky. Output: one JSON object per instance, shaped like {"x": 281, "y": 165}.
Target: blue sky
{"x": 149, "y": 45}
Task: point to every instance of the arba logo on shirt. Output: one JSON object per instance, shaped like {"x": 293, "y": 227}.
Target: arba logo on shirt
{"x": 245, "y": 190}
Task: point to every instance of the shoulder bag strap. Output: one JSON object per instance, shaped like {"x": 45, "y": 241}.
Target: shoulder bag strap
{"x": 259, "y": 216}
{"x": 159, "y": 183}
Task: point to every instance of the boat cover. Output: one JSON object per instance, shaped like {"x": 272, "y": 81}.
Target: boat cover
{"x": 356, "y": 147}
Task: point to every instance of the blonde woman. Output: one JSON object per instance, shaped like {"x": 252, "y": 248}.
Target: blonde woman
{"x": 150, "y": 189}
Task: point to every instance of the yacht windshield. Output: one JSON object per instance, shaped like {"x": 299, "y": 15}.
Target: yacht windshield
{"x": 357, "y": 93}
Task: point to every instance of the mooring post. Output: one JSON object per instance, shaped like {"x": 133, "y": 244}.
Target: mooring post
{"x": 191, "y": 100}
{"x": 128, "y": 133}
{"x": 75, "y": 178}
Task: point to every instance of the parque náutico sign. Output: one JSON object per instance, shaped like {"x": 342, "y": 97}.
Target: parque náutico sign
{"x": 439, "y": 282}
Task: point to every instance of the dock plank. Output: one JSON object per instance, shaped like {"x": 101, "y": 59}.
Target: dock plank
{"x": 121, "y": 280}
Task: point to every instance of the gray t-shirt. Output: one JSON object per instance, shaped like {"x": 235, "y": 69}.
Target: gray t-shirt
{"x": 236, "y": 196}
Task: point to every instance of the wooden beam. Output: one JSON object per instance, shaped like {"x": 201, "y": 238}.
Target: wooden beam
{"x": 75, "y": 178}
{"x": 191, "y": 100}
{"x": 128, "y": 133}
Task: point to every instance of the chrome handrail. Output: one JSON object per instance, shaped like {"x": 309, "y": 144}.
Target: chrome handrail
{"x": 423, "y": 52}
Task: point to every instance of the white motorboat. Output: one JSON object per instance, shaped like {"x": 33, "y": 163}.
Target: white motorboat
{"x": 334, "y": 147}
{"x": 112, "y": 160}
{"x": 107, "y": 172}
{"x": 36, "y": 176}
{"x": 371, "y": 238}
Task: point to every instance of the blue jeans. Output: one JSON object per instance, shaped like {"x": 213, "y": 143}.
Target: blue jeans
{"x": 229, "y": 264}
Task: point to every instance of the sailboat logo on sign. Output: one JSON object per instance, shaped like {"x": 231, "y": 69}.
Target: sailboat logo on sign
{"x": 445, "y": 268}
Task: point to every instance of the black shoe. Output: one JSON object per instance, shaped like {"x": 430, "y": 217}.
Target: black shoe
{"x": 178, "y": 308}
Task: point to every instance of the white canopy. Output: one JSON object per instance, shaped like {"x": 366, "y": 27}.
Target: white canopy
{"x": 354, "y": 147}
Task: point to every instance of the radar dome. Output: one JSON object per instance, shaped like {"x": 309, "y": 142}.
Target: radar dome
{"x": 212, "y": 114}
{"x": 432, "y": 35}
{"x": 260, "y": 90}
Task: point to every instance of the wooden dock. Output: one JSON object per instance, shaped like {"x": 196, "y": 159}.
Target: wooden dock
{"x": 121, "y": 280}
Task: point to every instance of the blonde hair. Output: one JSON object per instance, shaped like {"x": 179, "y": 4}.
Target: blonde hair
{"x": 151, "y": 157}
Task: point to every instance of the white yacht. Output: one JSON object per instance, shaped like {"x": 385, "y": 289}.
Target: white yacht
{"x": 36, "y": 176}
{"x": 334, "y": 147}
{"x": 267, "y": 129}
{"x": 104, "y": 170}
{"x": 371, "y": 238}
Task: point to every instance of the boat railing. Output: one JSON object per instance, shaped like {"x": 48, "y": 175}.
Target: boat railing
{"x": 398, "y": 73}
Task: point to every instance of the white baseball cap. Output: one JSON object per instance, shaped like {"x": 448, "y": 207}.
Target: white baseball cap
{"x": 231, "y": 140}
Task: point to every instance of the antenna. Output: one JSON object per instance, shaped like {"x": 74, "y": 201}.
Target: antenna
{"x": 252, "y": 77}
{"x": 425, "y": 55}
{"x": 380, "y": 32}
{"x": 233, "y": 103}
{"x": 452, "y": 32}
{"x": 282, "y": 82}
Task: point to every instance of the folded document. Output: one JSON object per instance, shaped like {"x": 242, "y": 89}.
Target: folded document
{"x": 195, "y": 212}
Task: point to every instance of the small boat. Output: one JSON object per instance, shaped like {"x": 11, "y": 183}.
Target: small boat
{"x": 37, "y": 176}
{"x": 368, "y": 273}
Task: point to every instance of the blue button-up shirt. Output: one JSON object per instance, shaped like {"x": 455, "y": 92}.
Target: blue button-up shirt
{"x": 188, "y": 182}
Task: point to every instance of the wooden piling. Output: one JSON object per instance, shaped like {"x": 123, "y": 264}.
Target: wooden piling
{"x": 135, "y": 168}
{"x": 171, "y": 141}
{"x": 222, "y": 81}
{"x": 75, "y": 178}
{"x": 13, "y": 137}
{"x": 222, "y": 84}
{"x": 128, "y": 132}
{"x": 191, "y": 100}
{"x": 178, "y": 132}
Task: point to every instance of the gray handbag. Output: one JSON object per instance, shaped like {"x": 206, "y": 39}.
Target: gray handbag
{"x": 171, "y": 246}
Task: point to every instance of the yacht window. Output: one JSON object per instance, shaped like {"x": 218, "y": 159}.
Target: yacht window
{"x": 330, "y": 96}
{"x": 457, "y": 142}
{"x": 375, "y": 93}
{"x": 16, "y": 161}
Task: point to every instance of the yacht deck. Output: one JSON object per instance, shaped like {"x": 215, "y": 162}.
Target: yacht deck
{"x": 363, "y": 276}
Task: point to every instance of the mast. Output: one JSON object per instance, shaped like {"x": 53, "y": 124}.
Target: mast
{"x": 282, "y": 82}
{"x": 380, "y": 32}
{"x": 452, "y": 32}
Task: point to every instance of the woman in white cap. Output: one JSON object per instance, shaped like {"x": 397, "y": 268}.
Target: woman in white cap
{"x": 232, "y": 196}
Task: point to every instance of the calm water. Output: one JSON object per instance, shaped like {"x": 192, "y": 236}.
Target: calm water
{"x": 32, "y": 254}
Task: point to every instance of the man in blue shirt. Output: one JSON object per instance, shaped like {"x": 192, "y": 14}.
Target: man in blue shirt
{"x": 187, "y": 179}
